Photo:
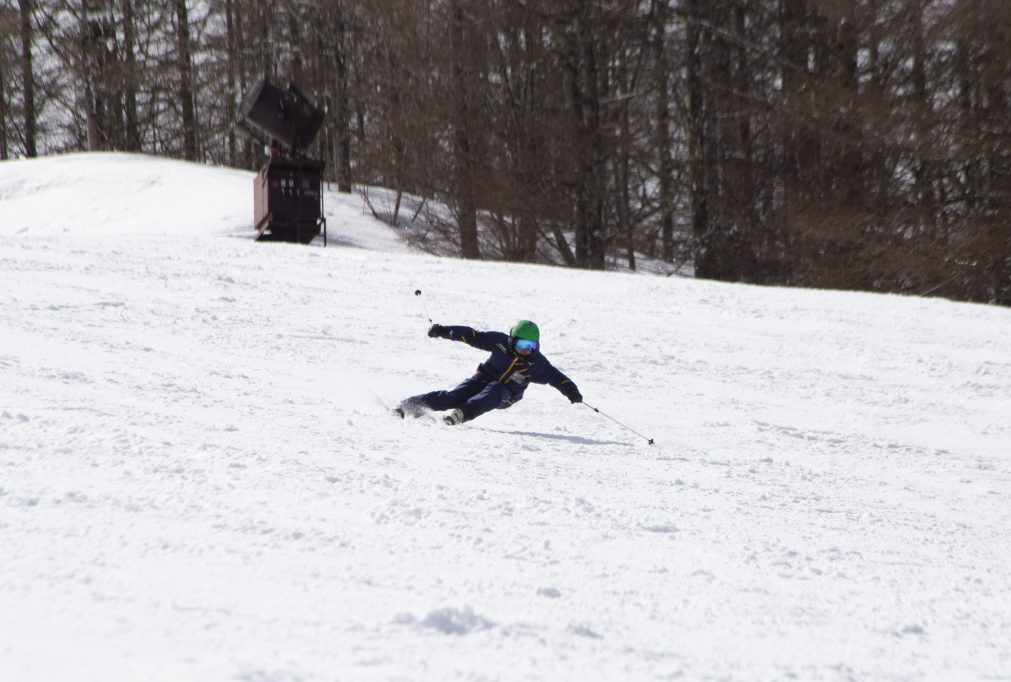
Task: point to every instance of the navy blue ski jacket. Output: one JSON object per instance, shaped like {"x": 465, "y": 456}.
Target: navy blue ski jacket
{"x": 513, "y": 370}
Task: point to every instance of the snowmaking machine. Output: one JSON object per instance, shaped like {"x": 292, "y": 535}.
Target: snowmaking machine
{"x": 287, "y": 191}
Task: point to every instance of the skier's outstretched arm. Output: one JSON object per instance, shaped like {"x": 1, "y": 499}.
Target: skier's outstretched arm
{"x": 564, "y": 385}
{"x": 469, "y": 335}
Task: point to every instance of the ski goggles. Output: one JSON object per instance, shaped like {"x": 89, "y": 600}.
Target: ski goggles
{"x": 526, "y": 345}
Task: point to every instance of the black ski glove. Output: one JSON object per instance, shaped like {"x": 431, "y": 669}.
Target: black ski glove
{"x": 435, "y": 331}
{"x": 576, "y": 397}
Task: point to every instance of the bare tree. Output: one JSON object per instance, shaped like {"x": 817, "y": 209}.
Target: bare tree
{"x": 464, "y": 59}
{"x": 6, "y": 30}
{"x": 661, "y": 11}
{"x": 185, "y": 64}
{"x": 28, "y": 78}
{"x": 582, "y": 57}
{"x": 842, "y": 143}
{"x": 131, "y": 77}
{"x": 341, "y": 98}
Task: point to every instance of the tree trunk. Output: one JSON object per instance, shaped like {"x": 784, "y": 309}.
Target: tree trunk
{"x": 463, "y": 167}
{"x": 624, "y": 163}
{"x": 28, "y": 77}
{"x": 661, "y": 14}
{"x": 87, "y": 71}
{"x": 295, "y": 47}
{"x": 584, "y": 104}
{"x": 232, "y": 95}
{"x": 4, "y": 150}
{"x": 263, "y": 25}
{"x": 246, "y": 156}
{"x": 793, "y": 169}
{"x": 186, "y": 99}
{"x": 925, "y": 199}
{"x": 697, "y": 142}
{"x": 751, "y": 240}
{"x": 133, "y": 143}
{"x": 342, "y": 117}
{"x": 724, "y": 245}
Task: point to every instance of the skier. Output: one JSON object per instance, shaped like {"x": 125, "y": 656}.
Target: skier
{"x": 500, "y": 381}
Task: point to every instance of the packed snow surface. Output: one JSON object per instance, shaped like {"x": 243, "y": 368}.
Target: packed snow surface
{"x": 199, "y": 478}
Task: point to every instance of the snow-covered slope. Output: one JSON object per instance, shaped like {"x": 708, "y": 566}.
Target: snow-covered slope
{"x": 116, "y": 195}
{"x": 198, "y": 479}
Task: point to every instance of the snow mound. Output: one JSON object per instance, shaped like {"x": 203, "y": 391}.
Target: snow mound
{"x": 117, "y": 194}
{"x": 121, "y": 194}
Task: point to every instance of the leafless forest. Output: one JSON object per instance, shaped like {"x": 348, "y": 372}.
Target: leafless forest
{"x": 854, "y": 144}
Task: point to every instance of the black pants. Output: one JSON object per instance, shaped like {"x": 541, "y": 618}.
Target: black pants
{"x": 473, "y": 397}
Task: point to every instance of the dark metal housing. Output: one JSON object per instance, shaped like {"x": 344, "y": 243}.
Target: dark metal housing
{"x": 287, "y": 192}
{"x": 287, "y": 201}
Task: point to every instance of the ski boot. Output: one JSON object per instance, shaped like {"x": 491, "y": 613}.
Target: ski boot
{"x": 453, "y": 418}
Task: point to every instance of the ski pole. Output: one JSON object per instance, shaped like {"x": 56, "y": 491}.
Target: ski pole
{"x": 627, "y": 428}
{"x": 417, "y": 292}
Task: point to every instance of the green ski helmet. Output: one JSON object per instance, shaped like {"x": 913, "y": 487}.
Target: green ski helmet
{"x": 525, "y": 329}
{"x": 525, "y": 337}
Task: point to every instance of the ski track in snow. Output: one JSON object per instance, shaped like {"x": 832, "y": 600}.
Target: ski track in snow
{"x": 199, "y": 480}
